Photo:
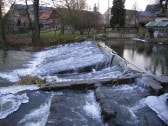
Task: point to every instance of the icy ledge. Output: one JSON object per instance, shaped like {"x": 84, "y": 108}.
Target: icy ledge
{"x": 11, "y": 103}
{"x": 17, "y": 88}
{"x": 159, "y": 105}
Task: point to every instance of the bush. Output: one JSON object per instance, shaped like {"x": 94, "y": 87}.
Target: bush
{"x": 26, "y": 80}
{"x": 142, "y": 33}
{"x": 151, "y": 31}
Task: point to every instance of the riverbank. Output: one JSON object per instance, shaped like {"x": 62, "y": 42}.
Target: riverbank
{"x": 158, "y": 40}
{"x": 24, "y": 41}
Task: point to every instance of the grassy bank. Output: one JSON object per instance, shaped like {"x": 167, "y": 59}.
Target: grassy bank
{"x": 48, "y": 38}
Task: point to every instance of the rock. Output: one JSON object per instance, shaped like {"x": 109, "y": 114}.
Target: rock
{"x": 68, "y": 110}
{"x": 108, "y": 113}
{"x": 163, "y": 80}
{"x": 159, "y": 105}
{"x": 89, "y": 84}
{"x": 153, "y": 83}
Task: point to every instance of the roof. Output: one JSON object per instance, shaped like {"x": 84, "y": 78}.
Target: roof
{"x": 146, "y": 14}
{"x": 157, "y": 24}
{"x": 45, "y": 15}
{"x": 151, "y": 10}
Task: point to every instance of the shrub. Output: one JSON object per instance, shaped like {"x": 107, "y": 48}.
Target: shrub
{"x": 26, "y": 80}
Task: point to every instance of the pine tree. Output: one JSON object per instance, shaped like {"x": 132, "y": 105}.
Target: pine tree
{"x": 118, "y": 13}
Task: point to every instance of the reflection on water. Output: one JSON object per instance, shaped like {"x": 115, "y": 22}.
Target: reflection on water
{"x": 150, "y": 57}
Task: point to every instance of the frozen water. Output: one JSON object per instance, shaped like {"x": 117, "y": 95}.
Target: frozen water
{"x": 158, "y": 104}
{"x": 37, "y": 117}
{"x": 10, "y": 103}
{"x": 17, "y": 88}
{"x": 69, "y": 57}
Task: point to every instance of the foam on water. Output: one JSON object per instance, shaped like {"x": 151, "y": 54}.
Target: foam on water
{"x": 60, "y": 58}
{"x": 159, "y": 105}
{"x": 38, "y": 116}
{"x": 133, "y": 109}
{"x": 11, "y": 103}
{"x": 92, "y": 108}
{"x": 113, "y": 72}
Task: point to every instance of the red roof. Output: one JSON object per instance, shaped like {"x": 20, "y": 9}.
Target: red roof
{"x": 45, "y": 15}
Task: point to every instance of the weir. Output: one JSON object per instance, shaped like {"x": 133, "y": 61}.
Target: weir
{"x": 88, "y": 84}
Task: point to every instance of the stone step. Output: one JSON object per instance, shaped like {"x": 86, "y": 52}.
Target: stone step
{"x": 163, "y": 80}
{"x": 151, "y": 82}
{"x": 69, "y": 109}
{"x": 89, "y": 84}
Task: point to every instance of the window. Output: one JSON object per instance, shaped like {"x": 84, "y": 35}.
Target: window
{"x": 19, "y": 22}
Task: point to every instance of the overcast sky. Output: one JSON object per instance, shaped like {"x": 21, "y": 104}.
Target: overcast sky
{"x": 103, "y": 4}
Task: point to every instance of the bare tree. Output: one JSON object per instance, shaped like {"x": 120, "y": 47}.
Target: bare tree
{"x": 135, "y": 15}
{"x": 73, "y": 17}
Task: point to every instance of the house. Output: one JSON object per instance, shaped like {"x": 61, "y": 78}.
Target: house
{"x": 131, "y": 18}
{"x": 53, "y": 18}
{"x": 150, "y": 13}
{"x": 107, "y": 16}
{"x": 160, "y": 28}
{"x": 160, "y": 22}
{"x": 47, "y": 20}
{"x": 16, "y": 19}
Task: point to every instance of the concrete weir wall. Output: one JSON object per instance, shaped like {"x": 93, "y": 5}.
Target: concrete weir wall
{"x": 117, "y": 96}
{"x": 117, "y": 59}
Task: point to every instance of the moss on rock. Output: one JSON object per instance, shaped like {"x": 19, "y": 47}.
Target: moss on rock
{"x": 26, "y": 80}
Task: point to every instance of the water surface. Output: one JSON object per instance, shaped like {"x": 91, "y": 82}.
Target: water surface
{"x": 150, "y": 57}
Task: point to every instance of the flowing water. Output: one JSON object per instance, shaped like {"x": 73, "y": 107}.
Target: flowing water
{"x": 29, "y": 106}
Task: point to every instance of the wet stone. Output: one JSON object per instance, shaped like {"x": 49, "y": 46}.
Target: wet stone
{"x": 124, "y": 105}
{"x": 162, "y": 79}
{"x": 153, "y": 83}
{"x": 68, "y": 110}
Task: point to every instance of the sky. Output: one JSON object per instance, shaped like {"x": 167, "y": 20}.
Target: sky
{"x": 103, "y": 4}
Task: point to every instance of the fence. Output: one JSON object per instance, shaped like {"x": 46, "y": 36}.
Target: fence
{"x": 118, "y": 32}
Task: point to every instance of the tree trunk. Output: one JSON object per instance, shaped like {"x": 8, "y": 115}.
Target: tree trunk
{"x": 2, "y": 31}
{"x": 36, "y": 33}
{"x": 28, "y": 15}
{"x": 62, "y": 26}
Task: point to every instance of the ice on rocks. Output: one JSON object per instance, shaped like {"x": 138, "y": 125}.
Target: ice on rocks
{"x": 158, "y": 104}
{"x": 11, "y": 103}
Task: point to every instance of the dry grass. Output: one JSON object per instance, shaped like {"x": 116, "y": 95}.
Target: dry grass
{"x": 24, "y": 41}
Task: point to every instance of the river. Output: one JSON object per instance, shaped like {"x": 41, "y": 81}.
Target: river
{"x": 148, "y": 56}
{"x": 27, "y": 105}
